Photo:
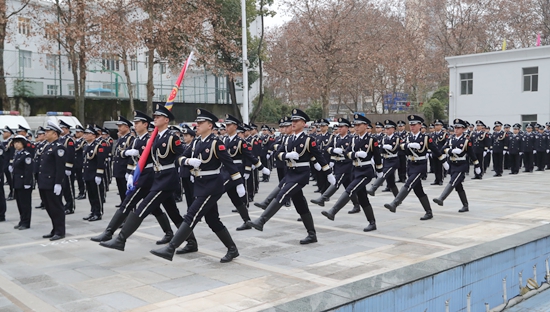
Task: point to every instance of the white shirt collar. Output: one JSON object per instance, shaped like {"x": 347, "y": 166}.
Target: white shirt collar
{"x": 143, "y": 135}
{"x": 297, "y": 135}
{"x": 160, "y": 134}
{"x": 232, "y": 136}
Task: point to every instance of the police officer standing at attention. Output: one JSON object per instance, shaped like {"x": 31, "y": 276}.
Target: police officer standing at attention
{"x": 7, "y": 134}
{"x": 68, "y": 185}
{"x": 528, "y": 147}
{"x": 481, "y": 143}
{"x": 440, "y": 138}
{"x": 302, "y": 148}
{"x": 500, "y": 146}
{"x": 22, "y": 181}
{"x": 364, "y": 151}
{"x": 40, "y": 143}
{"x": 391, "y": 144}
{"x": 120, "y": 160}
{"x": 457, "y": 148}
{"x": 165, "y": 150}
{"x": 206, "y": 158}
{"x": 50, "y": 180}
{"x": 541, "y": 148}
{"x": 79, "y": 161}
{"x": 416, "y": 147}
{"x": 94, "y": 169}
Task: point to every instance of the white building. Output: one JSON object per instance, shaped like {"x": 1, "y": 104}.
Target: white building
{"x": 30, "y": 71}
{"x": 509, "y": 86}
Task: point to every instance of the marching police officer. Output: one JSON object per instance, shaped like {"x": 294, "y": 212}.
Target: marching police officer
{"x": 402, "y": 170}
{"x": 457, "y": 148}
{"x": 51, "y": 174}
{"x": 22, "y": 181}
{"x": 120, "y": 160}
{"x": 500, "y": 145}
{"x": 390, "y": 146}
{"x": 480, "y": 143}
{"x": 416, "y": 147}
{"x": 440, "y": 138}
{"x": 68, "y": 183}
{"x": 93, "y": 171}
{"x": 206, "y": 157}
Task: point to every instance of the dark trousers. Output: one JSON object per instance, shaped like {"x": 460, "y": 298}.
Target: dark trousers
{"x": 486, "y": 161}
{"x": 2, "y": 200}
{"x": 389, "y": 175}
{"x": 207, "y": 207}
{"x": 497, "y": 162}
{"x": 96, "y": 202}
{"x": 9, "y": 179}
{"x": 481, "y": 160}
{"x": 438, "y": 170}
{"x": 457, "y": 178}
{"x": 68, "y": 192}
{"x": 135, "y": 196}
{"x": 152, "y": 202}
{"x": 188, "y": 189}
{"x": 514, "y": 162}
{"x": 540, "y": 160}
{"x": 23, "y": 200}
{"x": 322, "y": 182}
{"x": 80, "y": 181}
{"x": 55, "y": 210}
{"x": 358, "y": 186}
{"x": 548, "y": 161}
{"x": 528, "y": 161}
{"x": 402, "y": 170}
{"x": 121, "y": 185}
{"x": 414, "y": 182}
{"x": 507, "y": 161}
{"x": 293, "y": 191}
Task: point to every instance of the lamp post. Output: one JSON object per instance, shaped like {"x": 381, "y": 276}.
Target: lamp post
{"x": 59, "y": 48}
{"x": 244, "y": 111}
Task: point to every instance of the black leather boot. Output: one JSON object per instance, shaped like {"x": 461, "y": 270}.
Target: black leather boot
{"x": 269, "y": 212}
{"x": 464, "y": 200}
{"x": 356, "y": 207}
{"x": 133, "y": 221}
{"x": 165, "y": 226}
{"x": 340, "y": 203}
{"x": 311, "y": 237}
{"x": 226, "y": 239}
{"x": 403, "y": 192}
{"x": 448, "y": 189}
{"x": 268, "y": 199}
{"x": 395, "y": 191}
{"x": 191, "y": 246}
{"x": 325, "y": 197}
{"x": 372, "y": 224}
{"x": 372, "y": 189}
{"x": 426, "y": 205}
{"x": 168, "y": 250}
{"x": 241, "y": 209}
{"x": 370, "y": 227}
{"x": 113, "y": 225}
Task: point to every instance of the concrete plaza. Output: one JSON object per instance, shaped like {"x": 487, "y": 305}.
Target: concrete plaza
{"x": 273, "y": 269}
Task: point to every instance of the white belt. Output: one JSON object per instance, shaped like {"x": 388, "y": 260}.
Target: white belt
{"x": 148, "y": 166}
{"x": 357, "y": 163}
{"x": 457, "y": 158}
{"x": 338, "y": 158}
{"x": 390, "y": 156}
{"x": 237, "y": 161}
{"x": 201, "y": 173}
{"x": 298, "y": 164}
{"x": 412, "y": 158}
{"x": 160, "y": 168}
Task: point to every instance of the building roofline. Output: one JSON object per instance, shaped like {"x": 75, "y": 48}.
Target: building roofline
{"x": 515, "y": 55}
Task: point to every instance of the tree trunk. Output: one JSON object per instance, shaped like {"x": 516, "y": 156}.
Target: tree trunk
{"x": 128, "y": 80}
{"x": 325, "y": 100}
{"x": 150, "y": 85}
{"x": 232, "y": 91}
{"x": 3, "y": 87}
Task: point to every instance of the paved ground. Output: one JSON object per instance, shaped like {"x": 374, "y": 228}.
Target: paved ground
{"x": 78, "y": 275}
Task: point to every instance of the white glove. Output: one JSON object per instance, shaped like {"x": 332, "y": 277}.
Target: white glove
{"x": 477, "y": 170}
{"x": 129, "y": 181}
{"x": 126, "y": 176}
{"x": 520, "y": 153}
{"x": 267, "y": 156}
{"x": 192, "y": 179}
{"x": 266, "y": 171}
{"x": 506, "y": 152}
{"x": 97, "y": 180}
{"x": 57, "y": 189}
{"x": 27, "y": 187}
{"x": 414, "y": 145}
{"x": 68, "y": 173}
{"x": 331, "y": 179}
{"x": 246, "y": 176}
{"x": 337, "y": 150}
{"x": 317, "y": 166}
{"x": 360, "y": 154}
{"x": 534, "y": 152}
{"x": 131, "y": 152}
{"x": 387, "y": 147}
{"x": 10, "y": 168}
{"x": 491, "y": 151}
{"x": 484, "y": 154}
{"x": 379, "y": 175}
{"x": 253, "y": 167}
{"x": 292, "y": 155}
{"x": 547, "y": 151}
{"x": 240, "y": 190}
{"x": 446, "y": 165}
{"x": 331, "y": 164}
{"x": 456, "y": 151}
{"x": 194, "y": 162}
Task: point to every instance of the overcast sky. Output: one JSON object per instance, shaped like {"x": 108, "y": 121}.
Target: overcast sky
{"x": 279, "y": 19}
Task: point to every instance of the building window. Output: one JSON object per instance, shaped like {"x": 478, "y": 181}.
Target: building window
{"x": 133, "y": 63}
{"x": 51, "y": 89}
{"x": 24, "y": 26}
{"x": 162, "y": 68}
{"x": 71, "y": 89}
{"x": 467, "y": 83}
{"x": 146, "y": 59}
{"x": 528, "y": 119}
{"x": 110, "y": 62}
{"x": 531, "y": 79}
{"x": 25, "y": 59}
{"x": 51, "y": 61}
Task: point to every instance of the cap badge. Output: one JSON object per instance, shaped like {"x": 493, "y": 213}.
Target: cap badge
{"x": 198, "y": 111}
{"x": 294, "y": 111}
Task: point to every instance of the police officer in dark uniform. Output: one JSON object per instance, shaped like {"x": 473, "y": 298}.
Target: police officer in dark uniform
{"x": 506, "y": 157}
{"x": 68, "y": 186}
{"x": 500, "y": 142}
{"x": 165, "y": 150}
{"x": 188, "y": 136}
{"x": 206, "y": 157}
{"x": 266, "y": 139}
{"x": 29, "y": 146}
{"x": 541, "y": 148}
{"x": 527, "y": 147}
{"x": 480, "y": 143}
{"x": 94, "y": 170}
{"x": 364, "y": 151}
{"x": 137, "y": 191}
{"x": 40, "y": 143}
{"x": 120, "y": 159}
{"x": 22, "y": 181}
{"x": 2, "y": 194}
{"x": 402, "y": 170}
{"x": 79, "y": 161}
{"x": 323, "y": 139}
{"x": 515, "y": 149}
{"x": 416, "y": 147}
{"x": 341, "y": 165}
{"x": 456, "y": 149}
{"x": 50, "y": 180}
{"x": 7, "y": 134}
{"x": 298, "y": 151}
{"x": 440, "y": 138}
{"x": 390, "y": 145}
